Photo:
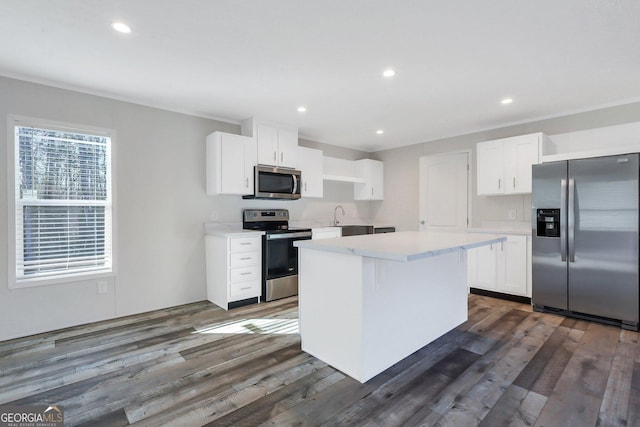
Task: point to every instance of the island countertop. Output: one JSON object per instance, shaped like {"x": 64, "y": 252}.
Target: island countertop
{"x": 402, "y": 246}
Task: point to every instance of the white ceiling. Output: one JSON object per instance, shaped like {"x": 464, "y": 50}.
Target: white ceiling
{"x": 232, "y": 59}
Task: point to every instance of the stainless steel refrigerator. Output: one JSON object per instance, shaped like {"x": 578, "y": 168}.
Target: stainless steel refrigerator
{"x": 585, "y": 238}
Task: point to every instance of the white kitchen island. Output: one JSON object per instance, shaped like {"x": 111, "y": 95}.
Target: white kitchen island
{"x": 367, "y": 302}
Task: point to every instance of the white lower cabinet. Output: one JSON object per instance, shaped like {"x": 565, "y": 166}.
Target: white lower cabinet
{"x": 234, "y": 266}
{"x": 502, "y": 267}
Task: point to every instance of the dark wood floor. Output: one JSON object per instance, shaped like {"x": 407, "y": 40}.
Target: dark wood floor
{"x": 199, "y": 365}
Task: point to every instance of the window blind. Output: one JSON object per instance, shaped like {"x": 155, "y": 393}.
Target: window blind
{"x": 63, "y": 203}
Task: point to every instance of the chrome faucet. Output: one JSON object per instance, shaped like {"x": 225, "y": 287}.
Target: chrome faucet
{"x": 335, "y": 211}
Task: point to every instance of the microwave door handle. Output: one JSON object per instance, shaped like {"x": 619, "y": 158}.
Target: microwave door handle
{"x": 295, "y": 184}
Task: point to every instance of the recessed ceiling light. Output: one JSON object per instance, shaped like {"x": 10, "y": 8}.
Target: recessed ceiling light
{"x": 121, "y": 27}
{"x": 506, "y": 101}
{"x": 389, "y": 72}
{"x": 302, "y": 109}
{"x": 379, "y": 131}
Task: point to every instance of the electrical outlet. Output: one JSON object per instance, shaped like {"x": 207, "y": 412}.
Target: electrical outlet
{"x": 513, "y": 214}
{"x": 103, "y": 288}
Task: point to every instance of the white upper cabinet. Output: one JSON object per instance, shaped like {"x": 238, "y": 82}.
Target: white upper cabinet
{"x": 490, "y": 168}
{"x": 230, "y": 160}
{"x": 288, "y": 148}
{"x": 310, "y": 163}
{"x": 277, "y": 145}
{"x": 504, "y": 165}
{"x": 372, "y": 171}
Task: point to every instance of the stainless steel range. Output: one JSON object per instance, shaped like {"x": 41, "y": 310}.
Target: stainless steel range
{"x": 279, "y": 256}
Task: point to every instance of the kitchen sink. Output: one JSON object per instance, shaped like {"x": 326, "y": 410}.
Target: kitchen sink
{"x": 356, "y": 230}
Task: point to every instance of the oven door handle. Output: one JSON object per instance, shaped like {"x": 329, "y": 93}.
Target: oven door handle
{"x": 295, "y": 184}
{"x": 288, "y": 235}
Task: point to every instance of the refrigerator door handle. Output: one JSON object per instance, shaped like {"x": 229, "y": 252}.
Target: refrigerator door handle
{"x": 563, "y": 223}
{"x": 571, "y": 220}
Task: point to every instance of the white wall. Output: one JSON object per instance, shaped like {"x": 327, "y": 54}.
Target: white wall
{"x": 161, "y": 209}
{"x": 162, "y": 205}
{"x": 400, "y": 205}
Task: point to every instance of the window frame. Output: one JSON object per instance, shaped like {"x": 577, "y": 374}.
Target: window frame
{"x": 15, "y": 282}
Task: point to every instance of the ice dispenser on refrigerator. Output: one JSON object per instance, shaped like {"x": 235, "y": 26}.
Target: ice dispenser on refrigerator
{"x": 548, "y": 223}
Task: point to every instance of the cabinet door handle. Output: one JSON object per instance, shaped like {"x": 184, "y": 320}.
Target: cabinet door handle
{"x": 274, "y": 156}
{"x": 514, "y": 182}
{"x": 245, "y": 288}
{"x": 245, "y": 243}
{"x": 246, "y": 182}
{"x": 281, "y": 157}
{"x": 245, "y": 274}
{"x": 490, "y": 247}
{"x": 305, "y": 186}
{"x": 245, "y": 258}
{"x": 499, "y": 183}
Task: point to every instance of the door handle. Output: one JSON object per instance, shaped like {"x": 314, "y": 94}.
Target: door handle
{"x": 563, "y": 222}
{"x": 571, "y": 221}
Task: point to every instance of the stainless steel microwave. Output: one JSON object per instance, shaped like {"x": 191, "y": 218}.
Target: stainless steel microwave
{"x": 276, "y": 183}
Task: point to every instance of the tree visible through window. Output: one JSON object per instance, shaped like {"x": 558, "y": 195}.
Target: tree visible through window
{"x": 63, "y": 202}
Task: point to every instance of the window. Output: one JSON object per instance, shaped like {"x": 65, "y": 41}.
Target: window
{"x": 62, "y": 203}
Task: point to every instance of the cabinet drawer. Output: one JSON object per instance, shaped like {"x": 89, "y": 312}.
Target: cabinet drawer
{"x": 238, "y": 291}
{"x": 244, "y": 244}
{"x": 245, "y": 274}
{"x": 244, "y": 259}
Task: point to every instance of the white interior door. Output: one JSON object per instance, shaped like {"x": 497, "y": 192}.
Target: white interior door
{"x": 444, "y": 192}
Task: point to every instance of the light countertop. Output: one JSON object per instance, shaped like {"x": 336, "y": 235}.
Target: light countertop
{"x": 402, "y": 246}
{"x": 320, "y": 224}
{"x": 229, "y": 229}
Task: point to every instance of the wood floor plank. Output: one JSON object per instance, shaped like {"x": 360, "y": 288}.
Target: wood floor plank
{"x": 272, "y": 404}
{"x": 542, "y": 373}
{"x": 211, "y": 380}
{"x": 434, "y": 354}
{"x": 451, "y": 396}
{"x": 472, "y": 406}
{"x": 633, "y": 418}
{"x": 578, "y": 393}
{"x": 615, "y": 402}
{"x": 343, "y": 394}
{"x": 146, "y": 388}
{"x": 8, "y": 347}
{"x": 505, "y": 366}
{"x": 494, "y": 330}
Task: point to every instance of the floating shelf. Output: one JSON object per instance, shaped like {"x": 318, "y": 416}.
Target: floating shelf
{"x": 343, "y": 178}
